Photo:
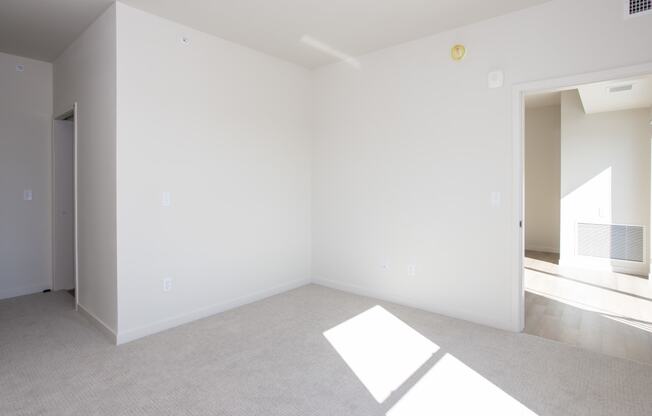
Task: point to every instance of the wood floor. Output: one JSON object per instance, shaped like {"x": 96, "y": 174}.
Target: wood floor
{"x": 601, "y": 311}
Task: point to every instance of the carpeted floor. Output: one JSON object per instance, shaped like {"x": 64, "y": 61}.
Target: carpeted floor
{"x": 273, "y": 358}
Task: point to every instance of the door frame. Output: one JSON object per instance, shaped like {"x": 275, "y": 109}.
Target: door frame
{"x": 518, "y": 144}
{"x": 75, "y": 114}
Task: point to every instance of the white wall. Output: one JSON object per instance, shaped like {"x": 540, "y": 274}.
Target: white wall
{"x": 86, "y": 73}
{"x": 406, "y": 152}
{"x": 25, "y": 226}
{"x": 542, "y": 178}
{"x": 605, "y": 173}
{"x": 409, "y": 147}
{"x": 225, "y": 130}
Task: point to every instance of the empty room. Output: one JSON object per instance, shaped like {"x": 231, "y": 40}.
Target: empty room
{"x": 302, "y": 207}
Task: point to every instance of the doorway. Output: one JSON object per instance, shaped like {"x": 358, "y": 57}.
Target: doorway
{"x": 64, "y": 206}
{"x": 585, "y": 243}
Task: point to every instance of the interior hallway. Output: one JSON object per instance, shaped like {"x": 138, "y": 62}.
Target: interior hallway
{"x": 601, "y": 311}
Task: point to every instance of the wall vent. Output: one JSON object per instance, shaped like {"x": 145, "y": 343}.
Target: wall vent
{"x": 621, "y": 88}
{"x": 638, "y": 7}
{"x": 611, "y": 241}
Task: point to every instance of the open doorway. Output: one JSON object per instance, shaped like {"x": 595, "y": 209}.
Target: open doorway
{"x": 64, "y": 207}
{"x": 587, "y": 180}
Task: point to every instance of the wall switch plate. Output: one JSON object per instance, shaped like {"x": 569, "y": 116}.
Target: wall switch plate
{"x": 412, "y": 270}
{"x": 167, "y": 284}
{"x": 166, "y": 199}
{"x": 495, "y": 199}
{"x": 495, "y": 79}
{"x": 20, "y": 68}
{"x": 27, "y": 195}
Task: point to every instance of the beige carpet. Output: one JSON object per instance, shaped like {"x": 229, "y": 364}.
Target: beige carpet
{"x": 272, "y": 358}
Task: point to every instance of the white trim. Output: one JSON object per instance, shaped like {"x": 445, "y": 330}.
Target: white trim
{"x": 22, "y": 291}
{"x": 98, "y": 323}
{"x": 518, "y": 92}
{"x": 53, "y": 257}
{"x": 76, "y": 201}
{"x": 167, "y": 323}
{"x": 390, "y": 297}
{"x": 602, "y": 264}
{"x": 518, "y": 217}
{"x": 72, "y": 112}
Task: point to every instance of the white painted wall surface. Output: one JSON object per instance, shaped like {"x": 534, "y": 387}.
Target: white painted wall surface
{"x": 25, "y": 126}
{"x": 605, "y": 174}
{"x": 542, "y": 178}
{"x": 224, "y": 130}
{"x": 410, "y": 146}
{"x": 86, "y": 73}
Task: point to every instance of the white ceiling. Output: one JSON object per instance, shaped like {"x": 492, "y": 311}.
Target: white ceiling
{"x": 331, "y": 29}
{"x": 597, "y": 98}
{"x": 351, "y": 27}
{"x": 41, "y": 29}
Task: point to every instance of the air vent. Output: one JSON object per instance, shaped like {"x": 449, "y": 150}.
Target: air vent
{"x": 638, "y": 7}
{"x": 621, "y": 88}
{"x": 611, "y": 241}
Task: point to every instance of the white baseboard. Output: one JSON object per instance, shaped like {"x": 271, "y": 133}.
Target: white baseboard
{"x": 22, "y": 291}
{"x": 616, "y": 266}
{"x": 380, "y": 295}
{"x": 543, "y": 249}
{"x": 133, "y": 334}
{"x": 98, "y": 323}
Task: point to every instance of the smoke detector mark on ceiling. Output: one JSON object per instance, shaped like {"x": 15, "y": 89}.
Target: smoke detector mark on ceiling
{"x": 637, "y": 7}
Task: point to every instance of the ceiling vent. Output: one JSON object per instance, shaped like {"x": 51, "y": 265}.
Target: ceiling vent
{"x": 638, "y": 7}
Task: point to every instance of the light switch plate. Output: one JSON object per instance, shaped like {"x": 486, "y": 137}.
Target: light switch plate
{"x": 495, "y": 199}
{"x": 166, "y": 199}
{"x": 27, "y": 195}
{"x": 412, "y": 270}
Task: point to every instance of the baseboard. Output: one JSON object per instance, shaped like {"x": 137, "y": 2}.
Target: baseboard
{"x": 22, "y": 291}
{"x": 543, "y": 249}
{"x": 616, "y": 266}
{"x": 98, "y": 323}
{"x": 134, "y": 334}
{"x": 377, "y": 294}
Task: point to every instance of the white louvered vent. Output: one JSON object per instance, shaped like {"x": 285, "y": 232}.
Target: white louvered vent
{"x": 611, "y": 241}
{"x": 638, "y": 7}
